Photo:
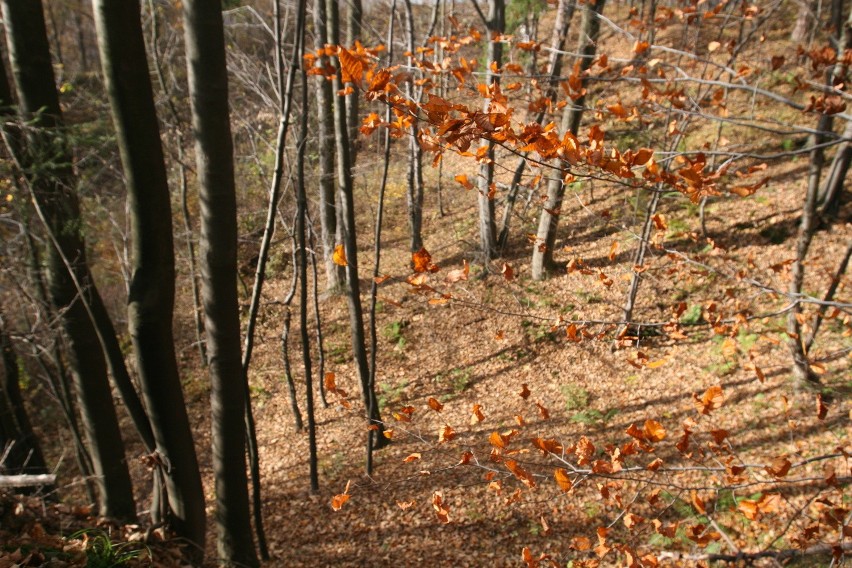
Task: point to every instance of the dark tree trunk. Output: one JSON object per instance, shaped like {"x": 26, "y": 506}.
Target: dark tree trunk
{"x": 151, "y": 299}
{"x": 208, "y": 89}
{"x": 353, "y": 34}
{"x": 52, "y": 184}
{"x": 347, "y": 209}
{"x": 24, "y": 455}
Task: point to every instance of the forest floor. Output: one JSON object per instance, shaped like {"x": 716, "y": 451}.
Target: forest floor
{"x": 496, "y": 335}
{"x": 497, "y": 338}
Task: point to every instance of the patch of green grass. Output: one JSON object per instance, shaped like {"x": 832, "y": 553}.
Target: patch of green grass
{"x": 102, "y": 552}
{"x": 576, "y": 397}
{"x": 393, "y": 333}
{"x": 391, "y": 394}
{"x": 692, "y": 316}
{"x": 456, "y": 380}
{"x": 339, "y": 353}
{"x": 594, "y": 417}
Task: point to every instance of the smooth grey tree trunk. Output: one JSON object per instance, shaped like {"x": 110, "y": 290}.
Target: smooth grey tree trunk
{"x": 542, "y": 259}
{"x": 564, "y": 14}
{"x": 152, "y": 285}
{"x": 52, "y": 183}
{"x": 487, "y": 227}
{"x": 208, "y": 89}
{"x": 334, "y": 274}
{"x": 415, "y": 151}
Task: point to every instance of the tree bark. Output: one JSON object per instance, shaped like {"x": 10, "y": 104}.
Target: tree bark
{"x": 564, "y": 14}
{"x": 151, "y": 299}
{"x": 347, "y": 210}
{"x": 487, "y": 228}
{"x": 25, "y": 455}
{"x": 208, "y": 90}
{"x": 542, "y": 259}
{"x": 353, "y": 33}
{"x": 52, "y": 185}
{"x": 334, "y": 274}
{"x": 415, "y": 152}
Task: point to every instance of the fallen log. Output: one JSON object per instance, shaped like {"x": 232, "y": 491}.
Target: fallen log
{"x": 27, "y": 480}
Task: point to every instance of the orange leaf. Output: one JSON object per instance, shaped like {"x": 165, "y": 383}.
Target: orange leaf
{"x": 339, "y": 256}
{"x": 435, "y": 405}
{"x": 779, "y": 467}
{"x": 822, "y": 408}
{"x": 477, "y": 415}
{"x": 580, "y": 543}
{"x": 446, "y": 434}
{"x": 699, "y": 503}
{"x": 351, "y": 67}
{"x": 562, "y": 480}
{"x": 641, "y": 47}
{"x": 654, "y": 431}
{"x": 507, "y": 271}
{"x": 438, "y": 504}
{"x": 497, "y": 440}
{"x": 338, "y": 500}
{"x": 462, "y": 179}
{"x": 330, "y": 385}
{"x": 422, "y": 260}
{"x": 411, "y": 457}
{"x": 519, "y": 472}
{"x": 405, "y": 504}
{"x": 525, "y": 391}
{"x": 612, "y": 249}
{"x": 545, "y": 413}
{"x": 711, "y": 400}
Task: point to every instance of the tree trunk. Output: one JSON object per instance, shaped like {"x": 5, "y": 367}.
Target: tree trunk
{"x": 334, "y": 274}
{"x": 302, "y": 238}
{"x": 151, "y": 299}
{"x": 353, "y": 34}
{"x": 564, "y": 14}
{"x": 208, "y": 89}
{"x": 487, "y": 227}
{"x": 415, "y": 152}
{"x": 542, "y": 258}
{"x": 25, "y": 453}
{"x": 52, "y": 184}
{"x": 347, "y": 210}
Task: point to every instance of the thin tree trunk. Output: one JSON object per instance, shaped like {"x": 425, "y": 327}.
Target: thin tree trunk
{"x": 58, "y": 208}
{"x": 347, "y": 209}
{"x": 25, "y": 456}
{"x": 208, "y": 89}
{"x": 151, "y": 299}
{"x": 377, "y": 245}
{"x": 415, "y": 152}
{"x": 334, "y": 273}
{"x": 542, "y": 259}
{"x": 564, "y": 14}
{"x": 485, "y": 197}
{"x": 353, "y": 34}
{"x": 301, "y": 235}
{"x": 184, "y": 187}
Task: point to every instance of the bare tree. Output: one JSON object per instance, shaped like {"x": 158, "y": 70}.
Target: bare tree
{"x": 71, "y": 287}
{"x": 151, "y": 300}
{"x": 208, "y": 89}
